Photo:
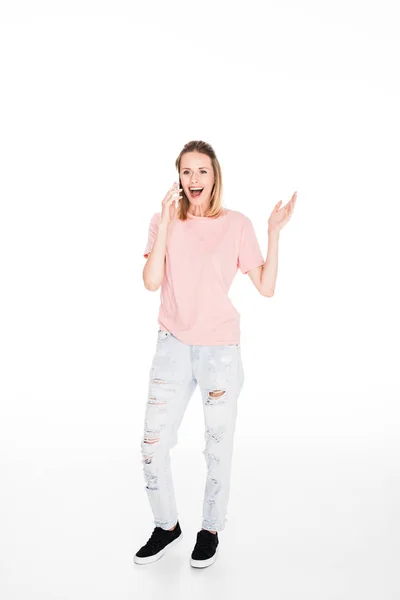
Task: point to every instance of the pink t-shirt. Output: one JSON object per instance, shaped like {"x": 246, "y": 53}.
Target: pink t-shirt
{"x": 202, "y": 258}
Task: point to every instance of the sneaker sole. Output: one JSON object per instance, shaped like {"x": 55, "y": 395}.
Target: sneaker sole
{"x": 199, "y": 564}
{"x": 149, "y": 559}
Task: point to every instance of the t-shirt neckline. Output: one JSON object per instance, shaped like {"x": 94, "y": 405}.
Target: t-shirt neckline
{"x": 198, "y": 218}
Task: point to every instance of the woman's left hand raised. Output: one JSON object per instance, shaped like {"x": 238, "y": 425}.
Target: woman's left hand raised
{"x": 280, "y": 216}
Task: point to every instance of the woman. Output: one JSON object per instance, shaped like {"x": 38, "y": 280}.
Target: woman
{"x": 195, "y": 247}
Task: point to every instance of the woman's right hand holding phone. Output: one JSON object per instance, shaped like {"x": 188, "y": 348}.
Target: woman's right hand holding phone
{"x": 169, "y": 204}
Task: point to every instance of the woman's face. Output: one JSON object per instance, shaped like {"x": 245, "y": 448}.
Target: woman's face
{"x": 196, "y": 172}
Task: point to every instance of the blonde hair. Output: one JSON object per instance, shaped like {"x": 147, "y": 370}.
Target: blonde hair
{"x": 215, "y": 205}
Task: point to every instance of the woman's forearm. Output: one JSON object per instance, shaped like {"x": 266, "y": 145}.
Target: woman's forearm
{"x": 153, "y": 272}
{"x": 269, "y": 271}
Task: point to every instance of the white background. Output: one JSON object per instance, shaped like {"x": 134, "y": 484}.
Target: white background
{"x": 97, "y": 100}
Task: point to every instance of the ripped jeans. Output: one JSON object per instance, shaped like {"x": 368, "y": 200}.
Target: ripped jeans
{"x": 176, "y": 370}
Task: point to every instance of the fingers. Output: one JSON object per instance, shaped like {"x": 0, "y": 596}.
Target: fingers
{"x": 172, "y": 193}
{"x": 175, "y": 189}
{"x": 290, "y": 205}
{"x": 291, "y": 201}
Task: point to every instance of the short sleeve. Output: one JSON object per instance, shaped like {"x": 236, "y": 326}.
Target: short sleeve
{"x": 152, "y": 233}
{"x": 250, "y": 255}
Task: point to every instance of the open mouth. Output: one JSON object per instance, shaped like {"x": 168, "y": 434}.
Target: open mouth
{"x": 195, "y": 192}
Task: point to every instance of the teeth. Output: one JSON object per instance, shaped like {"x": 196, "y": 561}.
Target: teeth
{"x": 195, "y": 189}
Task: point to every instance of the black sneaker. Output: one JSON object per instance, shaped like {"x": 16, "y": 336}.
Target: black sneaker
{"x": 157, "y": 543}
{"x": 205, "y": 550}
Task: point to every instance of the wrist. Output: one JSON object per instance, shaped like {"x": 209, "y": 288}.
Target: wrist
{"x": 273, "y": 232}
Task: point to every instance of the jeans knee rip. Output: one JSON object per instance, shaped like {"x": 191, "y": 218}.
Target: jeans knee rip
{"x": 213, "y": 486}
{"x": 151, "y": 481}
{"x": 218, "y": 398}
{"x": 151, "y": 436}
{"x": 156, "y": 401}
{"x": 147, "y": 458}
{"x": 215, "y": 434}
{"x": 209, "y": 457}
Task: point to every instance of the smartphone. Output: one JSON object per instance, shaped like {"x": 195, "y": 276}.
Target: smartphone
{"x": 177, "y": 198}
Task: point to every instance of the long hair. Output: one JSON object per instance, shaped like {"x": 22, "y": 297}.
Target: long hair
{"x": 215, "y": 205}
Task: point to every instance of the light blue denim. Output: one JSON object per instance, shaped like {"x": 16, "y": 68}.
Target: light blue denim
{"x": 176, "y": 370}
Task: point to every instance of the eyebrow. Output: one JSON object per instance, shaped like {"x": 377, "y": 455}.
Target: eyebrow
{"x": 183, "y": 168}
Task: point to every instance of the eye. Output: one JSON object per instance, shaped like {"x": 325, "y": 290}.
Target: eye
{"x": 186, "y": 172}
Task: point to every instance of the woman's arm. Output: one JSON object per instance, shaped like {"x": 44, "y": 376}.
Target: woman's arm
{"x": 264, "y": 277}
{"x": 153, "y": 271}
{"x": 269, "y": 270}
